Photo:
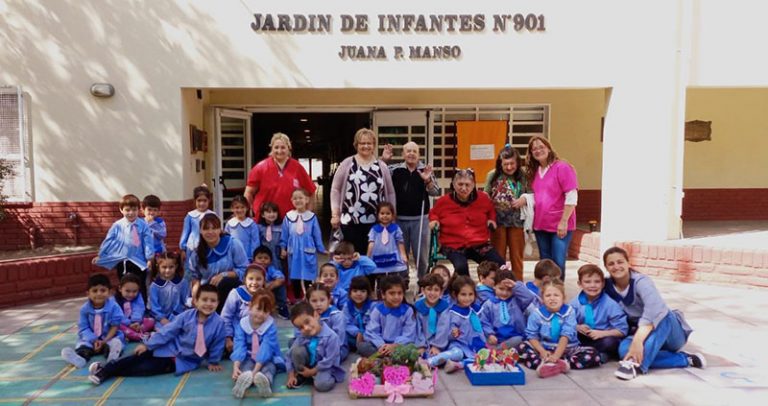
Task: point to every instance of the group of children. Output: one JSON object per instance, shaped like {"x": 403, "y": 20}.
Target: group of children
{"x": 355, "y": 303}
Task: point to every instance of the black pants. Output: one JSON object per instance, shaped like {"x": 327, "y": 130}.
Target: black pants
{"x": 129, "y": 267}
{"x": 459, "y": 258}
{"x": 87, "y": 352}
{"x": 605, "y": 345}
{"x": 357, "y": 234}
{"x": 225, "y": 286}
{"x": 296, "y": 286}
{"x": 145, "y": 364}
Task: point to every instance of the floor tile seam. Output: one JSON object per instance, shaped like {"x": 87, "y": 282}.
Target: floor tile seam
{"x": 105, "y": 396}
{"x": 48, "y": 385}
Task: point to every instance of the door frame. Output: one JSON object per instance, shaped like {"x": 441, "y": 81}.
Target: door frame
{"x": 216, "y": 178}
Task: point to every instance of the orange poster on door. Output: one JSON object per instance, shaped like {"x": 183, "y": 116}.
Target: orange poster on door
{"x": 479, "y": 142}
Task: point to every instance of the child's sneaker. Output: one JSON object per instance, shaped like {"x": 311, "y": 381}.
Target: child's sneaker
{"x": 564, "y": 365}
{"x": 263, "y": 386}
{"x": 115, "y": 349}
{"x": 69, "y": 355}
{"x": 627, "y": 370}
{"x": 696, "y": 360}
{"x": 283, "y": 313}
{"x": 550, "y": 369}
{"x": 452, "y": 366}
{"x": 93, "y": 373}
{"x": 243, "y": 382}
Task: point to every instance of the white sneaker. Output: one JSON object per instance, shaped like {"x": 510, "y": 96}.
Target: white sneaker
{"x": 627, "y": 370}
{"x": 93, "y": 371}
{"x": 244, "y": 381}
{"x": 262, "y": 385}
{"x": 696, "y": 360}
{"x": 115, "y": 349}
{"x": 69, "y": 355}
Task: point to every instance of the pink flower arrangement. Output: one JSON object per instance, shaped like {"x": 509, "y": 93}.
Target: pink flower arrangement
{"x": 396, "y": 375}
{"x": 363, "y": 385}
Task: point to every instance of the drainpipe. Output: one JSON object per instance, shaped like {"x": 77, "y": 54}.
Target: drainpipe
{"x": 74, "y": 220}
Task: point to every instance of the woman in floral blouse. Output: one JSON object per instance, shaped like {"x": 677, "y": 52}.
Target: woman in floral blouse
{"x": 360, "y": 183}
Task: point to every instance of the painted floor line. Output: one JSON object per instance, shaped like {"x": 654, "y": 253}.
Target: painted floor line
{"x": 177, "y": 391}
{"x": 42, "y": 347}
{"x": 50, "y": 383}
{"x": 109, "y": 391}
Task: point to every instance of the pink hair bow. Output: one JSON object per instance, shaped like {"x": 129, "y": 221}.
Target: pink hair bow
{"x": 395, "y": 392}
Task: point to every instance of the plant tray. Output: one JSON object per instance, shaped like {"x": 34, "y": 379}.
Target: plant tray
{"x": 379, "y": 390}
{"x": 494, "y": 378}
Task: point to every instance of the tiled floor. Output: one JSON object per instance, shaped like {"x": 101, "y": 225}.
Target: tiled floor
{"x": 729, "y": 323}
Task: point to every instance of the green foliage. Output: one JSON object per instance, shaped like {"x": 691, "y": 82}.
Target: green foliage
{"x": 406, "y": 355}
{"x": 5, "y": 172}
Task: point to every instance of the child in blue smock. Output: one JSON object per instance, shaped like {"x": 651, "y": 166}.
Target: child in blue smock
{"x": 350, "y": 264}
{"x": 134, "y": 326}
{"x": 486, "y": 275}
{"x": 552, "y": 347}
{"x": 386, "y": 246}
{"x": 392, "y": 321}
{"x": 444, "y": 273}
{"x": 328, "y": 275}
{"x": 314, "y": 354}
{"x": 178, "y": 347}
{"x": 431, "y": 319}
{"x": 300, "y": 242}
{"x": 319, "y": 296}
{"x": 357, "y": 311}
{"x": 275, "y": 281}
{"x": 190, "y": 233}
{"x": 601, "y": 323}
{"x": 466, "y": 335}
{"x": 128, "y": 246}
{"x": 97, "y": 327}
{"x": 151, "y": 207}
{"x": 219, "y": 259}
{"x": 238, "y": 301}
{"x": 502, "y": 316}
{"x": 270, "y": 232}
{"x": 169, "y": 292}
{"x": 545, "y": 270}
{"x": 256, "y": 355}
{"x": 242, "y": 227}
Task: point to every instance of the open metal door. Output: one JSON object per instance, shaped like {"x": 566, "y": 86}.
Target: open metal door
{"x": 232, "y": 156}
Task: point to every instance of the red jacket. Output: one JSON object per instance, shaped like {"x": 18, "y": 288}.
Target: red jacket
{"x": 463, "y": 226}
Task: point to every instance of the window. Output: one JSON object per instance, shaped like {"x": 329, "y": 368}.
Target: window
{"x": 15, "y": 146}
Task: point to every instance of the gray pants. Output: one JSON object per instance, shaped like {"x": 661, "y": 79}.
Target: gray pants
{"x": 323, "y": 381}
{"x": 410, "y": 236}
{"x": 511, "y": 342}
{"x": 267, "y": 369}
{"x": 366, "y": 349}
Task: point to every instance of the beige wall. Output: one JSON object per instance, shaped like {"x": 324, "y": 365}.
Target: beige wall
{"x": 98, "y": 149}
{"x": 192, "y": 114}
{"x": 736, "y": 155}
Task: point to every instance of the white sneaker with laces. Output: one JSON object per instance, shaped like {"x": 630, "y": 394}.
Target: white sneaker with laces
{"x": 244, "y": 381}
{"x": 627, "y": 370}
{"x": 262, "y": 385}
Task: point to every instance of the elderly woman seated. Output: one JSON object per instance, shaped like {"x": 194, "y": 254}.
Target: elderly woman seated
{"x": 465, "y": 217}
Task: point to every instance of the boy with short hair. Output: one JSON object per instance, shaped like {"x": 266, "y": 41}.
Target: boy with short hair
{"x": 502, "y": 316}
{"x": 350, "y": 264}
{"x": 392, "y": 322}
{"x": 128, "y": 246}
{"x": 545, "y": 271}
{"x": 601, "y": 321}
{"x": 178, "y": 347}
{"x": 432, "y": 326}
{"x": 314, "y": 353}
{"x": 275, "y": 280}
{"x": 486, "y": 274}
{"x": 100, "y": 318}
{"x": 151, "y": 207}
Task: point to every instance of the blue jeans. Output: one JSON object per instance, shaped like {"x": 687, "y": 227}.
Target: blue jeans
{"x": 661, "y": 348}
{"x": 553, "y": 247}
{"x": 410, "y": 236}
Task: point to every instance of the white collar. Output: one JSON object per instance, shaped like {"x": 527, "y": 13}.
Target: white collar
{"x": 197, "y": 214}
{"x": 245, "y": 324}
{"x": 234, "y": 222}
{"x": 543, "y": 171}
{"x": 293, "y": 216}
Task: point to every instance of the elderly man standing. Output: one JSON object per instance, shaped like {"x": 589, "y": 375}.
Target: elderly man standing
{"x": 413, "y": 182}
